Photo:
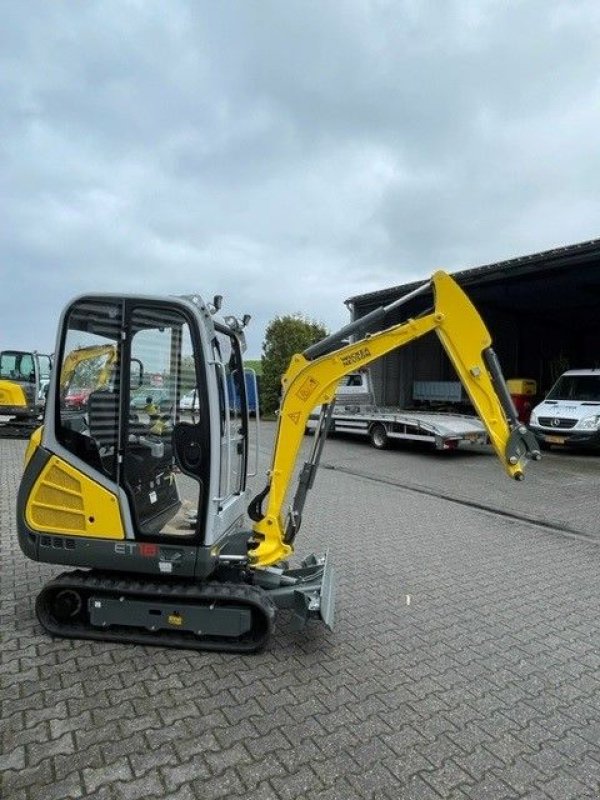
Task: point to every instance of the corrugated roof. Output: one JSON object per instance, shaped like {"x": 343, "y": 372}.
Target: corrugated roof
{"x": 560, "y": 256}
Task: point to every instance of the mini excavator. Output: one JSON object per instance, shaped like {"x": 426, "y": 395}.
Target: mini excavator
{"x": 24, "y": 377}
{"x": 154, "y": 524}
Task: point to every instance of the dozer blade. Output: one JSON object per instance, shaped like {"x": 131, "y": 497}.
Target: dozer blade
{"x": 328, "y": 587}
{"x": 229, "y": 617}
{"x": 309, "y": 591}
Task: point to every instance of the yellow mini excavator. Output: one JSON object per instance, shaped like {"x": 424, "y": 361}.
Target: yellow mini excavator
{"x": 24, "y": 378}
{"x": 154, "y": 523}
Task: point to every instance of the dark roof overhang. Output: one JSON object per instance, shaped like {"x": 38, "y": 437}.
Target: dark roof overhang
{"x": 559, "y": 258}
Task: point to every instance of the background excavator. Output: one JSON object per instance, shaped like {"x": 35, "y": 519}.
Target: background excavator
{"x": 24, "y": 378}
{"x": 158, "y": 521}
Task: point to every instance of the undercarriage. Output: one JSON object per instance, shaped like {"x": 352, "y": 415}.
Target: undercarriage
{"x": 226, "y": 615}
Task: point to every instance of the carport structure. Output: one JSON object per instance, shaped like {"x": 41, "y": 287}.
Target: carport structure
{"x": 541, "y": 310}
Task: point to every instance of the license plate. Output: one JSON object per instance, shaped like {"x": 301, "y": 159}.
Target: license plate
{"x": 555, "y": 439}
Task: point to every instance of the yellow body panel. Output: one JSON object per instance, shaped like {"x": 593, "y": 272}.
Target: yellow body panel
{"x": 307, "y": 384}
{"x": 64, "y": 501}
{"x": 11, "y": 394}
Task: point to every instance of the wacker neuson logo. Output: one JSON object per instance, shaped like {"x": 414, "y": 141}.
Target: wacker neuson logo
{"x": 356, "y": 357}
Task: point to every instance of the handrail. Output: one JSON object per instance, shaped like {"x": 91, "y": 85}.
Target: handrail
{"x": 257, "y": 419}
{"x": 221, "y": 368}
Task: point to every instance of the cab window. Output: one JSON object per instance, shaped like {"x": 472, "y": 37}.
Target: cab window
{"x": 89, "y": 387}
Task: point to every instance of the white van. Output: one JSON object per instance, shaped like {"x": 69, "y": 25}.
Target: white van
{"x": 570, "y": 414}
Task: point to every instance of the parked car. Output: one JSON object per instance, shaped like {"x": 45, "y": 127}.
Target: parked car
{"x": 190, "y": 402}
{"x": 77, "y": 398}
{"x": 570, "y": 413}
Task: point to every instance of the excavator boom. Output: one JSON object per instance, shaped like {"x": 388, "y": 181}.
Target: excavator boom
{"x": 312, "y": 378}
{"x": 106, "y": 355}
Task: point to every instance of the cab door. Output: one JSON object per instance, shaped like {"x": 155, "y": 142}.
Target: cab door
{"x": 166, "y": 455}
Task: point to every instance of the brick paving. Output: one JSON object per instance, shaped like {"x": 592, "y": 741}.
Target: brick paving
{"x": 485, "y": 685}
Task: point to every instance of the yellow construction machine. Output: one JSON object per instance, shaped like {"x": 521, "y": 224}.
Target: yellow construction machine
{"x": 24, "y": 379}
{"x": 154, "y": 524}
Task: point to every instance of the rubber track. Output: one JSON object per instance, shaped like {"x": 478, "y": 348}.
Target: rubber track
{"x": 110, "y": 585}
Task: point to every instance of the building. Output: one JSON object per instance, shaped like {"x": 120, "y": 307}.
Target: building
{"x": 542, "y": 311}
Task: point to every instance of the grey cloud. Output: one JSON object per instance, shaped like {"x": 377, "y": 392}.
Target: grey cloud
{"x": 287, "y": 155}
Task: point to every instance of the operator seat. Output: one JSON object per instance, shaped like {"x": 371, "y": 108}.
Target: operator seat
{"x": 103, "y": 418}
{"x": 103, "y": 427}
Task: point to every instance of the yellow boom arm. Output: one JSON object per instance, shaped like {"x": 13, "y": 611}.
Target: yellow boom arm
{"x": 307, "y": 384}
{"x": 108, "y": 352}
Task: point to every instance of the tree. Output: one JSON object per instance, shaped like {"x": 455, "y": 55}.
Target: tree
{"x": 284, "y": 337}
{"x": 256, "y": 365}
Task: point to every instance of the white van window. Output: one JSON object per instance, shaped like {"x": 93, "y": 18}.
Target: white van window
{"x": 576, "y": 387}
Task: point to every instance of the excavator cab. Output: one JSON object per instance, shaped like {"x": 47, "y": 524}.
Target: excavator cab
{"x": 173, "y": 482}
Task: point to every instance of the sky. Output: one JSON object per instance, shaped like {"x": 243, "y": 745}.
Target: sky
{"x": 287, "y": 155}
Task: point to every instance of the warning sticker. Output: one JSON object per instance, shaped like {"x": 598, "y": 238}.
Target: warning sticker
{"x": 307, "y": 388}
{"x": 294, "y": 417}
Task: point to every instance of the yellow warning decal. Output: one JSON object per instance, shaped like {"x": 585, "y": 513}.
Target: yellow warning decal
{"x": 175, "y": 619}
{"x": 307, "y": 388}
{"x": 294, "y": 417}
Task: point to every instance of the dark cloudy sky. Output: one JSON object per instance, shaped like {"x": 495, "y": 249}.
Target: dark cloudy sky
{"x": 287, "y": 154}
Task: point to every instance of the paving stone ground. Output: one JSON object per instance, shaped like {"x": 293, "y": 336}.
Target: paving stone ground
{"x": 465, "y": 662}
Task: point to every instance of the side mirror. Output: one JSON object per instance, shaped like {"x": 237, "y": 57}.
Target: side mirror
{"x": 136, "y": 374}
